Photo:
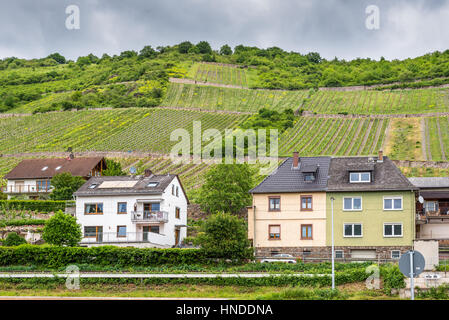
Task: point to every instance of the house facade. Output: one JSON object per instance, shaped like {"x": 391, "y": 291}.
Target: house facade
{"x": 373, "y": 208}
{"x": 432, "y": 209}
{"x": 140, "y": 211}
{"x": 288, "y": 214}
{"x": 31, "y": 178}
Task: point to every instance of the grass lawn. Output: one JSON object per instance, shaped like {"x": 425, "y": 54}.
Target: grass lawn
{"x": 354, "y": 291}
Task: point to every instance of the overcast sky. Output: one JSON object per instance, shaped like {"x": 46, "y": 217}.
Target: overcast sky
{"x": 408, "y": 28}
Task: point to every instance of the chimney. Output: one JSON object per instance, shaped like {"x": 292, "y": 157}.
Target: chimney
{"x": 71, "y": 156}
{"x": 295, "y": 160}
{"x": 148, "y": 173}
{"x": 381, "y": 156}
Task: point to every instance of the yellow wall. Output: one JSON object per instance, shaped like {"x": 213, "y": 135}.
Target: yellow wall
{"x": 289, "y": 218}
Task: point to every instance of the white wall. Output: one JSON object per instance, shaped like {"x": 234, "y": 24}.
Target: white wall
{"x": 110, "y": 219}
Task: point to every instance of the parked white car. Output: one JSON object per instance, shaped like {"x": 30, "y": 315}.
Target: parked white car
{"x": 282, "y": 257}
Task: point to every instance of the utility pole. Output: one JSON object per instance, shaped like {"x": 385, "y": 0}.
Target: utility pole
{"x": 332, "y": 232}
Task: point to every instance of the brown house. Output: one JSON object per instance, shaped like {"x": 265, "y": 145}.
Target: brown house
{"x": 32, "y": 177}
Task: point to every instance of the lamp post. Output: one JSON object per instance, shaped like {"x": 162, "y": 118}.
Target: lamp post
{"x": 332, "y": 235}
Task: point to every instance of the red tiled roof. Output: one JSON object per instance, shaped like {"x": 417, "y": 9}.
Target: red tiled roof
{"x": 32, "y": 168}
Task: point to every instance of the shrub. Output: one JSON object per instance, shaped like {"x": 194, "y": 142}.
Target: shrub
{"x": 34, "y": 205}
{"x": 225, "y": 236}
{"x": 62, "y": 230}
{"x": 56, "y": 256}
{"x": 13, "y": 239}
{"x": 65, "y": 185}
{"x": 392, "y": 278}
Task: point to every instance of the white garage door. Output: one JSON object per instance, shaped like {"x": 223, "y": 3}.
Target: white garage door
{"x": 363, "y": 254}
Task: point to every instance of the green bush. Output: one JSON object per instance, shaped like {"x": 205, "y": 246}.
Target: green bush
{"x": 392, "y": 277}
{"x": 43, "y": 206}
{"x": 62, "y": 230}
{"x": 55, "y": 257}
{"x": 13, "y": 239}
{"x": 22, "y": 222}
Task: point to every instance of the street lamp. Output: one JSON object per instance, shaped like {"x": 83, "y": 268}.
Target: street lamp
{"x": 332, "y": 233}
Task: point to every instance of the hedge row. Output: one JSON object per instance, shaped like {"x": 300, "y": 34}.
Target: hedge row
{"x": 52, "y": 256}
{"x": 35, "y": 205}
{"x": 284, "y": 280}
{"x": 22, "y": 222}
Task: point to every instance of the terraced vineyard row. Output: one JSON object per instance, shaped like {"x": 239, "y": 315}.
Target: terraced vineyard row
{"x": 380, "y": 102}
{"x": 317, "y": 136}
{"x": 214, "y": 73}
{"x": 327, "y": 102}
{"x": 436, "y": 135}
{"x": 106, "y": 130}
{"x": 229, "y": 99}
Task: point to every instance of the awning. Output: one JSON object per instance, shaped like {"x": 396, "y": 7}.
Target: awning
{"x": 435, "y": 194}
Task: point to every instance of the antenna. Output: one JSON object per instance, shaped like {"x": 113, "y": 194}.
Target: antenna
{"x": 132, "y": 170}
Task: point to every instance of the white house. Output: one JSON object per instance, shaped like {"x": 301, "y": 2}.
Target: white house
{"x": 31, "y": 178}
{"x": 139, "y": 211}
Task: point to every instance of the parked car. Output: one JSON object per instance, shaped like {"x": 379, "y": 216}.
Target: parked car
{"x": 282, "y": 257}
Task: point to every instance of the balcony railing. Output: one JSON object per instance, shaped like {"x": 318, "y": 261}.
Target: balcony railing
{"x": 149, "y": 216}
{"x": 25, "y": 189}
{"x": 128, "y": 237}
{"x": 441, "y": 214}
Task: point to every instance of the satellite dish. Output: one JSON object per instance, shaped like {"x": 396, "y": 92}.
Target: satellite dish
{"x": 421, "y": 199}
{"x": 132, "y": 170}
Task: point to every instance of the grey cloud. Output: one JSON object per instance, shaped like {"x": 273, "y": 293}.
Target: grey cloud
{"x": 331, "y": 27}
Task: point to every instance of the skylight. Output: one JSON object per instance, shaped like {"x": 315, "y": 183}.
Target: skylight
{"x": 152, "y": 184}
{"x": 58, "y": 167}
{"x": 44, "y": 168}
{"x": 93, "y": 185}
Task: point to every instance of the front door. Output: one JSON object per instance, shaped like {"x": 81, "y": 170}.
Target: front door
{"x": 19, "y": 186}
{"x": 176, "y": 237}
{"x": 145, "y": 230}
{"x": 99, "y": 234}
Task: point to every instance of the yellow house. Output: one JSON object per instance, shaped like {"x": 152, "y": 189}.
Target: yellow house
{"x": 288, "y": 214}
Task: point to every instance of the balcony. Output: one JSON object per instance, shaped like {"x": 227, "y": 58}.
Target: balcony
{"x": 440, "y": 215}
{"x": 149, "y": 216}
{"x": 129, "y": 237}
{"x": 25, "y": 189}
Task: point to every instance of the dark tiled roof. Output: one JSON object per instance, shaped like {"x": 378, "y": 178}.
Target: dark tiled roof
{"x": 141, "y": 186}
{"x": 287, "y": 179}
{"x": 386, "y": 176}
{"x": 32, "y": 168}
{"x": 430, "y": 182}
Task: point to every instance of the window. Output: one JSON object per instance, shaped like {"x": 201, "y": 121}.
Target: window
{"x": 92, "y": 232}
{"x": 93, "y": 208}
{"x": 309, "y": 176}
{"x": 393, "y": 230}
{"x": 274, "y": 203}
{"x": 44, "y": 168}
{"x": 58, "y": 167}
{"x": 93, "y": 186}
{"x": 392, "y": 203}
{"x": 177, "y": 191}
{"x": 306, "y": 203}
{"x": 178, "y": 213}
{"x": 352, "y": 230}
{"x": 152, "y": 207}
{"x": 152, "y": 184}
{"x": 121, "y": 208}
{"x": 306, "y": 232}
{"x": 173, "y": 189}
{"x": 154, "y": 229}
{"x": 360, "y": 177}
{"x": 395, "y": 254}
{"x": 274, "y": 232}
{"x": 339, "y": 254}
{"x": 121, "y": 231}
{"x": 431, "y": 206}
{"x": 43, "y": 185}
{"x": 352, "y": 204}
